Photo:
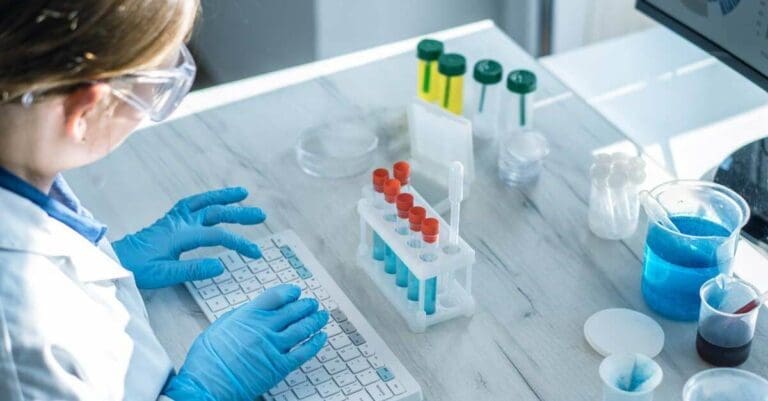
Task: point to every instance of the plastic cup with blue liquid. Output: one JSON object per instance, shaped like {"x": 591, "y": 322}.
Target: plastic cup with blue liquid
{"x": 707, "y": 219}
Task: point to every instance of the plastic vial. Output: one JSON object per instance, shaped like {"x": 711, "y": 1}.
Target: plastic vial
{"x": 380, "y": 176}
{"x": 402, "y": 172}
{"x": 430, "y": 230}
{"x": 428, "y": 51}
{"x": 391, "y": 190}
{"x": 416, "y": 216}
{"x": 522, "y": 149}
{"x": 402, "y": 227}
{"x": 600, "y": 208}
{"x": 485, "y": 99}
{"x": 452, "y": 67}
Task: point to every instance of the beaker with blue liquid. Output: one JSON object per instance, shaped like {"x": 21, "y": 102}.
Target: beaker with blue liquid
{"x": 709, "y": 218}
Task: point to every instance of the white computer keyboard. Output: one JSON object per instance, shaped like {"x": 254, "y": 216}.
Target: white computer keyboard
{"x": 355, "y": 365}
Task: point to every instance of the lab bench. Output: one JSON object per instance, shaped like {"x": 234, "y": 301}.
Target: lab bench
{"x": 539, "y": 275}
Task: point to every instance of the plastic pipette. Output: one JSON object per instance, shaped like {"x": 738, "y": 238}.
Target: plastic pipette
{"x": 751, "y": 305}
{"x": 455, "y": 196}
{"x": 656, "y": 211}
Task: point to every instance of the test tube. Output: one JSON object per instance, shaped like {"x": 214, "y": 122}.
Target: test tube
{"x": 452, "y": 67}
{"x": 428, "y": 51}
{"x": 391, "y": 190}
{"x": 485, "y": 102}
{"x": 380, "y": 176}
{"x": 430, "y": 230}
{"x": 402, "y": 226}
{"x": 416, "y": 216}
{"x": 402, "y": 172}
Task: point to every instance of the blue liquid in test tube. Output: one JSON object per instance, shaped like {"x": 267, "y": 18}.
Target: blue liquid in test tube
{"x": 379, "y": 247}
{"x": 430, "y": 296}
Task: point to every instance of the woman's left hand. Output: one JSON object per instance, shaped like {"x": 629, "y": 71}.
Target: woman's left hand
{"x": 152, "y": 254}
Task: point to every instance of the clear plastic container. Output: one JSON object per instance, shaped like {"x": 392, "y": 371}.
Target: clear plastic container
{"x": 725, "y": 384}
{"x": 484, "y": 99}
{"x": 451, "y": 68}
{"x": 517, "y": 101}
{"x": 336, "y": 150}
{"x": 521, "y": 157}
{"x": 629, "y": 377}
{"x": 428, "y": 52}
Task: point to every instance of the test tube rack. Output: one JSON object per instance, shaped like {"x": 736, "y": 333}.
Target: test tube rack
{"x": 454, "y": 294}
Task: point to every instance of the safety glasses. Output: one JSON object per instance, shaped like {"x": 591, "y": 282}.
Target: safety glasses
{"x": 157, "y": 93}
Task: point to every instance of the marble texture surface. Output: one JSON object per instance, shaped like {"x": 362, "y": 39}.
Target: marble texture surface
{"x": 540, "y": 272}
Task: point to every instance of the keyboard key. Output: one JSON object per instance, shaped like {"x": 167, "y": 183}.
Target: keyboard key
{"x": 222, "y": 277}
{"x": 258, "y": 266}
{"x": 313, "y": 283}
{"x": 295, "y": 262}
{"x": 295, "y": 378}
{"x": 299, "y": 283}
{"x": 287, "y": 276}
{"x": 348, "y": 327}
{"x": 321, "y": 294}
{"x": 280, "y": 388}
{"x": 326, "y": 354}
{"x": 222, "y": 312}
{"x": 304, "y": 273}
{"x": 306, "y": 293}
{"x": 344, "y": 379}
{"x": 338, "y": 315}
{"x": 202, "y": 283}
{"x": 375, "y": 362}
{"x": 357, "y": 338}
{"x": 330, "y": 304}
{"x": 266, "y": 276}
{"x": 366, "y": 350}
{"x": 311, "y": 365}
{"x": 231, "y": 260}
{"x": 358, "y": 365}
{"x": 255, "y": 294}
{"x": 250, "y": 285}
{"x": 209, "y": 292}
{"x": 335, "y": 366}
{"x": 327, "y": 389}
{"x": 332, "y": 329}
{"x": 349, "y": 353}
{"x": 360, "y": 396}
{"x": 287, "y": 251}
{"x": 280, "y": 265}
{"x": 340, "y": 341}
{"x": 217, "y": 303}
{"x": 304, "y": 390}
{"x": 336, "y": 397}
{"x": 318, "y": 376}
{"x": 236, "y": 297}
{"x": 367, "y": 377}
{"x": 384, "y": 373}
{"x": 229, "y": 286}
{"x": 396, "y": 387}
{"x": 352, "y": 388}
{"x": 379, "y": 391}
{"x": 271, "y": 254}
{"x": 242, "y": 274}
{"x": 286, "y": 397}
{"x": 278, "y": 241}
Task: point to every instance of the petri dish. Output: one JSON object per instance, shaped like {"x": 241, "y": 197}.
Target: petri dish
{"x": 725, "y": 384}
{"x": 336, "y": 150}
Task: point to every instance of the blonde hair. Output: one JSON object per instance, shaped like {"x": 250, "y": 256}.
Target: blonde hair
{"x": 57, "y": 44}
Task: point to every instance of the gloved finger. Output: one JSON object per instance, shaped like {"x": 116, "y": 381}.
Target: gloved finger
{"x": 232, "y": 214}
{"x": 293, "y": 312}
{"x": 275, "y": 297}
{"x": 194, "y": 238}
{"x": 302, "y": 330}
{"x": 306, "y": 351}
{"x": 223, "y": 196}
{"x": 164, "y": 274}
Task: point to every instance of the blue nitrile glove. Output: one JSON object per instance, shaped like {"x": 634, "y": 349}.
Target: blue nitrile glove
{"x": 152, "y": 254}
{"x": 249, "y": 350}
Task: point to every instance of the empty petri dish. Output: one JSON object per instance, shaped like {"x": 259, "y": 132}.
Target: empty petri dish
{"x": 725, "y": 384}
{"x": 336, "y": 150}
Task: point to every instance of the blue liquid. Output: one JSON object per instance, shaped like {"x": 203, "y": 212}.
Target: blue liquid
{"x": 390, "y": 262}
{"x": 675, "y": 267}
{"x": 413, "y": 287}
{"x": 430, "y": 296}
{"x": 379, "y": 247}
{"x": 401, "y": 274}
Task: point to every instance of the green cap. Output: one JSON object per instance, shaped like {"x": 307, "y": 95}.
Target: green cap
{"x": 487, "y": 72}
{"x": 452, "y": 64}
{"x": 521, "y": 81}
{"x": 429, "y": 49}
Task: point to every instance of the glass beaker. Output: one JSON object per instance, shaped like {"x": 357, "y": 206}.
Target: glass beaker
{"x": 676, "y": 264}
{"x": 725, "y": 384}
{"x": 724, "y": 338}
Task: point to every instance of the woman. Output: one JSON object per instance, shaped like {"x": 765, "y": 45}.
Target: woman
{"x": 76, "y": 77}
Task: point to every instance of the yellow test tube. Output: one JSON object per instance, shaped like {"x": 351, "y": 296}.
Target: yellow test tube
{"x": 428, "y": 51}
{"x": 451, "y": 67}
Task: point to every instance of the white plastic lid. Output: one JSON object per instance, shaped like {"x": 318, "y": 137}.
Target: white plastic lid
{"x": 623, "y": 331}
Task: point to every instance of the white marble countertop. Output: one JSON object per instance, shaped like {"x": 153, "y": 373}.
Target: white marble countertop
{"x": 540, "y": 272}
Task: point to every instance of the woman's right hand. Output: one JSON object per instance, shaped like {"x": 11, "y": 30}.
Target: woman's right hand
{"x": 249, "y": 350}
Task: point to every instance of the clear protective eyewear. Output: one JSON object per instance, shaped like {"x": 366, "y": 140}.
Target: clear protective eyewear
{"x": 157, "y": 92}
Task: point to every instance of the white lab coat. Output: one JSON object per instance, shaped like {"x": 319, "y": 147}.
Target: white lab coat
{"x": 72, "y": 323}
